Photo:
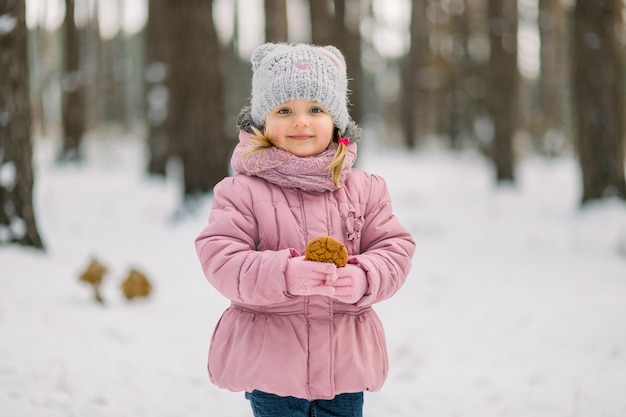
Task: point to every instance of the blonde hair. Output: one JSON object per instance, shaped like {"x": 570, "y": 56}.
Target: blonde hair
{"x": 260, "y": 141}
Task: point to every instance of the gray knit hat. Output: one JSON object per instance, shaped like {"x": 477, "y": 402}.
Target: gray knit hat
{"x": 283, "y": 72}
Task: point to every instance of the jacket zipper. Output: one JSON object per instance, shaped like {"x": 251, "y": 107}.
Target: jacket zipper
{"x": 303, "y": 214}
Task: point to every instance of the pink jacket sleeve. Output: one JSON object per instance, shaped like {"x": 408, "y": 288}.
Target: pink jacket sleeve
{"x": 386, "y": 246}
{"x": 227, "y": 251}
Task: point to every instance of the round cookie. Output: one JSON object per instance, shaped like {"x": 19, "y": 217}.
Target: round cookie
{"x": 326, "y": 249}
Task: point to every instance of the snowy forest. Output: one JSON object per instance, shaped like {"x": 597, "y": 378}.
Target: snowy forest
{"x": 505, "y": 77}
{"x": 498, "y": 124}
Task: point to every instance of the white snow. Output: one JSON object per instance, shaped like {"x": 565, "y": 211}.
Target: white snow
{"x": 7, "y": 23}
{"x": 7, "y": 174}
{"x": 515, "y": 306}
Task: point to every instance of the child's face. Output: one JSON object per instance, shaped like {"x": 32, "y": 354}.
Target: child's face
{"x": 301, "y": 127}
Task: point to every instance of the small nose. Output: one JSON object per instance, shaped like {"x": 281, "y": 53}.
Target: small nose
{"x": 301, "y": 120}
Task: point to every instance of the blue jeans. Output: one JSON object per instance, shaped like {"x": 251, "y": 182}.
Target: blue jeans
{"x": 270, "y": 405}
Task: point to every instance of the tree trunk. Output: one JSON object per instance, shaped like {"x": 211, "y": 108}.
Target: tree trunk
{"x": 458, "y": 102}
{"x": 413, "y": 108}
{"x": 598, "y": 88}
{"x": 158, "y": 33}
{"x": 276, "y": 21}
{"x": 549, "y": 115}
{"x": 503, "y": 83}
{"x": 17, "y": 216}
{"x": 73, "y": 102}
{"x": 234, "y": 70}
{"x": 112, "y": 74}
{"x": 37, "y": 77}
{"x": 89, "y": 36}
{"x": 322, "y": 23}
{"x": 347, "y": 34}
{"x": 196, "y": 122}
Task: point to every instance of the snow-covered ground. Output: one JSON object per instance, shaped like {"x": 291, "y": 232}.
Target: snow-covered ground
{"x": 516, "y": 305}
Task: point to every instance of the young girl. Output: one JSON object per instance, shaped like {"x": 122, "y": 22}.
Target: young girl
{"x": 300, "y": 337}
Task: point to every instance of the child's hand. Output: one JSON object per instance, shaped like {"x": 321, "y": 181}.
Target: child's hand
{"x": 310, "y": 278}
{"x": 350, "y": 285}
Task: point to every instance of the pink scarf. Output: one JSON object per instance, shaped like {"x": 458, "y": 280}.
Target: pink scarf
{"x": 288, "y": 170}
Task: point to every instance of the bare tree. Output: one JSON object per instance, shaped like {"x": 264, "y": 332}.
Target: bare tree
{"x": 598, "y": 89}
{"x": 73, "y": 108}
{"x": 276, "y": 21}
{"x": 114, "y": 70}
{"x": 412, "y": 107}
{"x": 90, "y": 64}
{"x": 37, "y": 73}
{"x": 502, "y": 94}
{"x": 196, "y": 122}
{"x": 158, "y": 44}
{"x": 322, "y": 22}
{"x": 458, "y": 103}
{"x": 236, "y": 74}
{"x": 17, "y": 216}
{"x": 549, "y": 114}
{"x": 347, "y": 37}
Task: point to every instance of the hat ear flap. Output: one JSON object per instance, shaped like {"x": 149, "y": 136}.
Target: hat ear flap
{"x": 260, "y": 53}
{"x": 352, "y": 131}
{"x": 335, "y": 56}
{"x": 245, "y": 122}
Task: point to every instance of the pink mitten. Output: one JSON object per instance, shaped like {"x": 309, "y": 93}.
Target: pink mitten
{"x": 309, "y": 277}
{"x": 351, "y": 284}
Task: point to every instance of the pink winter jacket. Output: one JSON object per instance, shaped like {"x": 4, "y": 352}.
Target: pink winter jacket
{"x": 309, "y": 347}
